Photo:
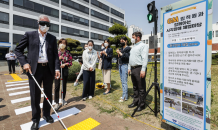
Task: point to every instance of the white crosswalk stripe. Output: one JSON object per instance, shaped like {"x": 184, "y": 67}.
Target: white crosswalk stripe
{"x": 10, "y": 89}
{"x": 28, "y": 108}
{"x": 21, "y": 99}
{"x": 63, "y": 114}
{"x": 19, "y": 93}
{"x": 16, "y": 84}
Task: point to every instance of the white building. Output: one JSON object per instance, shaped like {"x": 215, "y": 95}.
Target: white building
{"x": 215, "y": 38}
{"x": 77, "y": 19}
{"x": 133, "y": 29}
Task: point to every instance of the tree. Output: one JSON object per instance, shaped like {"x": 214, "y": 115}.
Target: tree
{"x": 116, "y": 40}
{"x": 118, "y": 29}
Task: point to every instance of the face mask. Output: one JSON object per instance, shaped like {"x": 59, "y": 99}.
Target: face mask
{"x": 86, "y": 48}
{"x": 62, "y": 46}
{"x": 105, "y": 44}
{"x": 102, "y": 47}
{"x": 43, "y": 28}
{"x": 90, "y": 47}
{"x": 123, "y": 44}
{"x": 132, "y": 40}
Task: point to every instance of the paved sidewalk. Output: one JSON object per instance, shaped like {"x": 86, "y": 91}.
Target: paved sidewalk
{"x": 19, "y": 98}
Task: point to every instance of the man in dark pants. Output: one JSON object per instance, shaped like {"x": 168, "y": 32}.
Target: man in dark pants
{"x": 42, "y": 60}
{"x": 11, "y": 57}
{"x": 137, "y": 66}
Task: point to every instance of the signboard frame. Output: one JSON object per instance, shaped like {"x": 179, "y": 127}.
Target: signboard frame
{"x": 207, "y": 68}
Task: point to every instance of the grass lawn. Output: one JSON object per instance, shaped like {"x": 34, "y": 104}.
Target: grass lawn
{"x": 109, "y": 103}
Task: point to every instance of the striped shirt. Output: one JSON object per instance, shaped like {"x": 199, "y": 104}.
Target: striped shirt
{"x": 89, "y": 59}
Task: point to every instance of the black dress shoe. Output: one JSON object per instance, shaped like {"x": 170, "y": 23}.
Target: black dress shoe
{"x": 132, "y": 105}
{"x": 35, "y": 126}
{"x": 48, "y": 119}
{"x": 141, "y": 108}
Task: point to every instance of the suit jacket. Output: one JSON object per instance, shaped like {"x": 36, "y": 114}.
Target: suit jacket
{"x": 107, "y": 60}
{"x": 32, "y": 42}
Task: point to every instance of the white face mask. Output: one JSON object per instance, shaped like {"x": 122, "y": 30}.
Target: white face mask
{"x": 90, "y": 47}
{"x": 132, "y": 40}
{"x": 86, "y": 48}
{"x": 105, "y": 44}
{"x": 62, "y": 46}
{"x": 43, "y": 28}
{"x": 102, "y": 47}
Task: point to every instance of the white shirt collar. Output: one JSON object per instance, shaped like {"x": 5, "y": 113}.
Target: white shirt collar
{"x": 41, "y": 34}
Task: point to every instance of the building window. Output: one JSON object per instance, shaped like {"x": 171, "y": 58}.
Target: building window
{"x": 86, "y": 1}
{"x": 4, "y": 2}
{"x": 158, "y": 40}
{"x": 17, "y": 38}
{"x": 4, "y": 18}
{"x": 26, "y": 4}
{"x": 213, "y": 33}
{"x": 99, "y": 15}
{"x": 146, "y": 41}
{"x": 56, "y": 1}
{"x": 217, "y": 33}
{"x": 117, "y": 13}
{"x": 4, "y": 37}
{"x": 74, "y": 32}
{"x": 99, "y": 26}
{"x": 98, "y": 36}
{"x": 116, "y": 21}
{"x": 31, "y": 23}
{"x": 75, "y": 19}
{"x": 100, "y": 5}
{"x": 75, "y": 6}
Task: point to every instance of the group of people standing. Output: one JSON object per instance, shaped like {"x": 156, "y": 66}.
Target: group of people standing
{"x": 44, "y": 61}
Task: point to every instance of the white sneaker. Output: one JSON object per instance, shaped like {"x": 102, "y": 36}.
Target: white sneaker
{"x": 121, "y": 100}
{"x": 56, "y": 107}
{"x": 90, "y": 97}
{"x": 84, "y": 99}
{"x": 64, "y": 102}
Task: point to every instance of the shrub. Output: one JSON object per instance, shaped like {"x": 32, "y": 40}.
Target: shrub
{"x": 73, "y": 70}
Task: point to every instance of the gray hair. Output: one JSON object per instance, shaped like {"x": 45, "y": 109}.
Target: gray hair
{"x": 43, "y": 16}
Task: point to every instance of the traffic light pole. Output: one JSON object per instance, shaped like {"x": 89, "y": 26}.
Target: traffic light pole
{"x": 155, "y": 84}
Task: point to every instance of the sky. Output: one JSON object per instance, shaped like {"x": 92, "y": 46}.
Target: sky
{"x": 136, "y": 12}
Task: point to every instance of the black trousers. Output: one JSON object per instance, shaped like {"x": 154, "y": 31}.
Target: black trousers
{"x": 57, "y": 85}
{"x": 139, "y": 85}
{"x": 11, "y": 64}
{"x": 88, "y": 83}
{"x": 42, "y": 75}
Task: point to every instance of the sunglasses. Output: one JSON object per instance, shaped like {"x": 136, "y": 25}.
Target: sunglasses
{"x": 43, "y": 23}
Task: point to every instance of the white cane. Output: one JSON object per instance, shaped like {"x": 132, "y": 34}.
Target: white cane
{"x": 62, "y": 94}
{"x": 47, "y": 99}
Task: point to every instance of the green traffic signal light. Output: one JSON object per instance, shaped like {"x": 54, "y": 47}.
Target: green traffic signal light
{"x": 149, "y": 16}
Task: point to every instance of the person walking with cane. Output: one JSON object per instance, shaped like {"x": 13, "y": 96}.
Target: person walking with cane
{"x": 43, "y": 64}
{"x": 66, "y": 62}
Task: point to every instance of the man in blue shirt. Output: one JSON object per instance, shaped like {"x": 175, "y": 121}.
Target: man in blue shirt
{"x": 11, "y": 61}
{"x": 138, "y": 66}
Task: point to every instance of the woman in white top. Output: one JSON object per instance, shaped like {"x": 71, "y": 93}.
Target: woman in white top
{"x": 89, "y": 65}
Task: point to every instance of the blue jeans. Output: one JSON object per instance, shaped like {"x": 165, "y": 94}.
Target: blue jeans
{"x": 123, "y": 69}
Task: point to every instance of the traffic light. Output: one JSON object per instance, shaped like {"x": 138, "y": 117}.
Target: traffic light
{"x": 152, "y": 12}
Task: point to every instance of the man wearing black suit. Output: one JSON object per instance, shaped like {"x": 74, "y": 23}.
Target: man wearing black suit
{"x": 42, "y": 60}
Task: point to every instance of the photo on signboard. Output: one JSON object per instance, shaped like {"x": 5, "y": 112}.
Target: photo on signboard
{"x": 192, "y": 110}
{"x": 172, "y": 103}
{"x": 193, "y": 98}
{"x": 172, "y": 93}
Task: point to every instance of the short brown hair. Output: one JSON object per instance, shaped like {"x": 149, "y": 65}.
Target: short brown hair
{"x": 61, "y": 40}
{"x": 138, "y": 34}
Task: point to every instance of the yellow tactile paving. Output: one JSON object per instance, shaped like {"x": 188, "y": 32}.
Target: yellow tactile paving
{"x": 87, "y": 124}
{"x": 15, "y": 77}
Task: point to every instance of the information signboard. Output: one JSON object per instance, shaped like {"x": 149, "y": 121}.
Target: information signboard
{"x": 185, "y": 65}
